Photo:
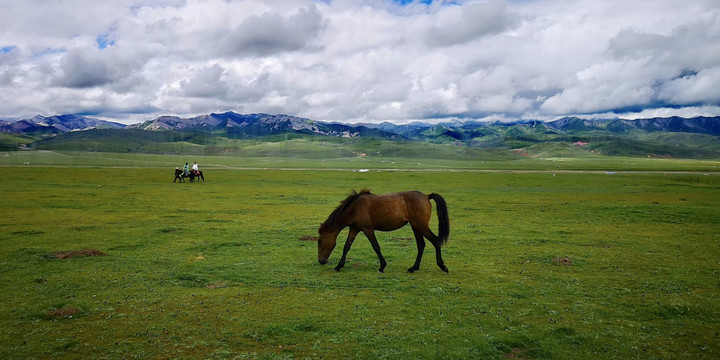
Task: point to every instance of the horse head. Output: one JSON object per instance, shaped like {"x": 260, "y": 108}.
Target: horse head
{"x": 326, "y": 243}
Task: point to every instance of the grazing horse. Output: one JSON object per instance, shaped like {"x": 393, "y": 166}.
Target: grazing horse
{"x": 366, "y": 212}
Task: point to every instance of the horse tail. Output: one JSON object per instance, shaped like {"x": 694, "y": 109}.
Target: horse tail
{"x": 443, "y": 219}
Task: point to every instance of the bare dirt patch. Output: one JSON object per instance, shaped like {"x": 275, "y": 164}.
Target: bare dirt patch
{"x": 308, "y": 238}
{"x": 599, "y": 245}
{"x": 219, "y": 285}
{"x": 68, "y": 312}
{"x": 64, "y": 255}
{"x": 563, "y": 261}
{"x": 517, "y": 353}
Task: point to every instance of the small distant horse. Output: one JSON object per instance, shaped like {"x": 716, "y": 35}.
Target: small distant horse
{"x": 368, "y": 212}
{"x": 196, "y": 174}
{"x": 180, "y": 175}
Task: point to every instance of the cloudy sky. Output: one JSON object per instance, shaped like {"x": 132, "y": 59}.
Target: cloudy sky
{"x": 364, "y": 60}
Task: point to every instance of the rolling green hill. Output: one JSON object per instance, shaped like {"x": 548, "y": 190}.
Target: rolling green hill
{"x": 503, "y": 142}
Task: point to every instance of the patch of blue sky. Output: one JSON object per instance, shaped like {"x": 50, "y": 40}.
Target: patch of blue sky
{"x": 49, "y": 51}
{"x": 406, "y": 2}
{"x": 104, "y": 41}
{"x": 7, "y": 49}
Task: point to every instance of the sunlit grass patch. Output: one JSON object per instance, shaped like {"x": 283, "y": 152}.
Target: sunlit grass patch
{"x": 573, "y": 266}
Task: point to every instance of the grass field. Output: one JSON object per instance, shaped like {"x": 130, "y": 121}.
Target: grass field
{"x": 480, "y": 161}
{"x": 565, "y": 266}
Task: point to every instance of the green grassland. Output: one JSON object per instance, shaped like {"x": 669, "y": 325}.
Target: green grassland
{"x": 385, "y": 155}
{"x": 553, "y": 266}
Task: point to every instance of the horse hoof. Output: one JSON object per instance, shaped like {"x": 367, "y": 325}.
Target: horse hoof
{"x": 445, "y": 269}
{"x": 411, "y": 270}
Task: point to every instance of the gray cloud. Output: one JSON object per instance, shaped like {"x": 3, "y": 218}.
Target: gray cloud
{"x": 82, "y": 69}
{"x": 629, "y": 43}
{"x": 117, "y": 68}
{"x": 206, "y": 83}
{"x": 271, "y": 33}
{"x": 471, "y": 22}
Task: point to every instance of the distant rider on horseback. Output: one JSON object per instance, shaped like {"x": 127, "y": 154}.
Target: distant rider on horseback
{"x": 195, "y": 169}
{"x": 186, "y": 168}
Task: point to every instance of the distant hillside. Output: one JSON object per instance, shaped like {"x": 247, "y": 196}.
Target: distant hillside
{"x": 699, "y": 125}
{"x": 697, "y": 137}
{"x": 55, "y": 125}
{"x": 260, "y": 125}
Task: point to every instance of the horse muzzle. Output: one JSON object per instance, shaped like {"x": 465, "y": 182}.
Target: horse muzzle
{"x": 322, "y": 261}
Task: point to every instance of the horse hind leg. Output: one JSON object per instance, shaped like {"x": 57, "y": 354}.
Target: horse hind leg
{"x": 438, "y": 255}
{"x": 420, "y": 249}
{"x": 438, "y": 246}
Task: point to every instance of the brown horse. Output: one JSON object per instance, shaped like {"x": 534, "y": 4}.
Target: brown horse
{"x": 368, "y": 212}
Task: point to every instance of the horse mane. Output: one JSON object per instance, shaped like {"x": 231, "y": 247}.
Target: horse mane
{"x": 334, "y": 217}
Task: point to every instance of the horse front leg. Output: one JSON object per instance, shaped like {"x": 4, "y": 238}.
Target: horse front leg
{"x": 373, "y": 241}
{"x": 348, "y": 243}
{"x": 420, "y": 249}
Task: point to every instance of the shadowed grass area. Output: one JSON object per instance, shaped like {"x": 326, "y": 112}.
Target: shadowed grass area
{"x": 575, "y": 265}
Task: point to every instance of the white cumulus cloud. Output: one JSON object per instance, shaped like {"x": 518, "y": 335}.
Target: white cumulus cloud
{"x": 366, "y": 60}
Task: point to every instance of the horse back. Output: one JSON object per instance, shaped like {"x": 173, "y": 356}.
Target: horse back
{"x": 391, "y": 211}
{"x": 418, "y": 204}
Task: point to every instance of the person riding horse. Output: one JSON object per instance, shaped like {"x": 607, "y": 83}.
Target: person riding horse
{"x": 195, "y": 169}
{"x": 193, "y": 175}
{"x": 179, "y": 175}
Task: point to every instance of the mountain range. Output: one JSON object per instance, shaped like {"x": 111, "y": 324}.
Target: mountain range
{"x": 264, "y": 124}
{"x": 673, "y": 136}
{"x": 42, "y": 125}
